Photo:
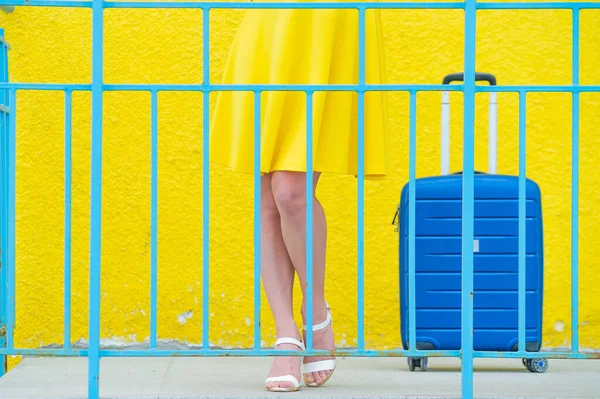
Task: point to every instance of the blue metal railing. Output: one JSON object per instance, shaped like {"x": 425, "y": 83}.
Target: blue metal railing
{"x": 4, "y": 120}
{"x": 97, "y": 87}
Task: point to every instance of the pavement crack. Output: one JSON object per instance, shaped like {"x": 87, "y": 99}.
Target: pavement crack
{"x": 164, "y": 378}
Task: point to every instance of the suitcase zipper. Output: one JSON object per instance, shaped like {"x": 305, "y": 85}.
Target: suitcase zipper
{"x": 395, "y": 218}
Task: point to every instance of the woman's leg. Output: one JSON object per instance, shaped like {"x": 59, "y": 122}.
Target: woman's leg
{"x": 277, "y": 274}
{"x": 289, "y": 189}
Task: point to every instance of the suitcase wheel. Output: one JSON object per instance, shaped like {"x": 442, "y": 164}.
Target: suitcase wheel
{"x": 538, "y": 365}
{"x": 414, "y": 362}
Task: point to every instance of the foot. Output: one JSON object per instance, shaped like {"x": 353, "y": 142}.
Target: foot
{"x": 283, "y": 368}
{"x": 322, "y": 339}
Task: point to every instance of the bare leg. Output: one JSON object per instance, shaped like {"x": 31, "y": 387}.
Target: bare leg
{"x": 277, "y": 274}
{"x": 289, "y": 189}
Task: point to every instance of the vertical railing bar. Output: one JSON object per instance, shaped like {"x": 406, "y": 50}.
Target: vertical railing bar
{"x": 468, "y": 200}
{"x": 257, "y": 219}
{"x": 362, "y": 21}
{"x": 68, "y": 211}
{"x": 445, "y": 129}
{"x": 575, "y": 191}
{"x": 361, "y": 178}
{"x": 10, "y": 236}
{"x": 309, "y": 220}
{"x": 522, "y": 266}
{"x": 3, "y": 240}
{"x": 205, "y": 178}
{"x": 3, "y": 204}
{"x": 493, "y": 134}
{"x": 154, "y": 224}
{"x": 412, "y": 212}
{"x": 96, "y": 199}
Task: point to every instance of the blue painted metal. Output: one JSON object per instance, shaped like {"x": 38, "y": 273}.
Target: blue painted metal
{"x": 468, "y": 199}
{"x": 97, "y": 87}
{"x": 522, "y": 219}
{"x": 3, "y": 205}
{"x": 257, "y": 216}
{"x": 234, "y": 353}
{"x": 330, "y": 5}
{"x": 348, "y": 353}
{"x": 68, "y": 214}
{"x": 96, "y": 200}
{"x": 154, "y": 222}
{"x": 412, "y": 173}
{"x": 361, "y": 178}
{"x": 63, "y": 352}
{"x": 309, "y": 220}
{"x": 205, "y": 180}
{"x": 45, "y": 86}
{"x": 368, "y": 87}
{"x": 11, "y": 220}
{"x": 575, "y": 192}
{"x": 284, "y": 5}
{"x": 44, "y": 3}
{"x": 273, "y": 87}
{"x": 537, "y": 5}
{"x": 268, "y": 352}
{"x": 535, "y": 355}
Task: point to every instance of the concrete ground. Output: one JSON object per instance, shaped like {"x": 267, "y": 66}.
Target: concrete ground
{"x": 243, "y": 378}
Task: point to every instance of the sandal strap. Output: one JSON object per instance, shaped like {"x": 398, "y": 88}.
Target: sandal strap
{"x": 323, "y": 365}
{"x": 288, "y": 340}
{"x": 320, "y": 326}
{"x": 284, "y": 378}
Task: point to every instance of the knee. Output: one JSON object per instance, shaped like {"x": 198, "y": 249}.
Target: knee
{"x": 268, "y": 207}
{"x": 289, "y": 191}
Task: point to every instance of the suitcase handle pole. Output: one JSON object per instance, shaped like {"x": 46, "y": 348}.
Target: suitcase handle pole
{"x": 460, "y": 77}
{"x": 493, "y": 121}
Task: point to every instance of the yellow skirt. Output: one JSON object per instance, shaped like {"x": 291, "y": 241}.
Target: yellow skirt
{"x": 302, "y": 47}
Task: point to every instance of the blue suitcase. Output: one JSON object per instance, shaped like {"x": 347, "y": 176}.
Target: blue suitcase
{"x": 438, "y": 257}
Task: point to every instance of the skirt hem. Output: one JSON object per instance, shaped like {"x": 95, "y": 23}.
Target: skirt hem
{"x": 372, "y": 176}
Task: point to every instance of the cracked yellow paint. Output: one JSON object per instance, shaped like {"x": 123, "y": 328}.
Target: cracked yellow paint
{"x": 142, "y": 46}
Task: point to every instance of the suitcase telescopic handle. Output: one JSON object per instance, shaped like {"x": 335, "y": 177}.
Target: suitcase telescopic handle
{"x": 493, "y": 121}
{"x": 479, "y": 77}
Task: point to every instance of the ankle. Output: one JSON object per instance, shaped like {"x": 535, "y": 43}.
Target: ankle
{"x": 289, "y": 330}
{"x": 319, "y": 313}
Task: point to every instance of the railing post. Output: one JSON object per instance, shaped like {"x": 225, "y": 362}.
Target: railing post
{"x": 3, "y": 200}
{"x": 575, "y": 190}
{"x": 309, "y": 220}
{"x": 412, "y": 228}
{"x": 522, "y": 265}
{"x": 257, "y": 217}
{"x": 468, "y": 200}
{"x": 11, "y": 168}
{"x": 205, "y": 179}
{"x": 96, "y": 199}
{"x": 362, "y": 23}
{"x": 154, "y": 222}
{"x": 68, "y": 216}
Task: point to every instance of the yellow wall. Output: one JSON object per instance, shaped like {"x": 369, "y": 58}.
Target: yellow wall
{"x": 150, "y": 46}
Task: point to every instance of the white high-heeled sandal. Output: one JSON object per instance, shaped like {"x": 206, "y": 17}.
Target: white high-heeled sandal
{"x": 322, "y": 365}
{"x": 288, "y": 377}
